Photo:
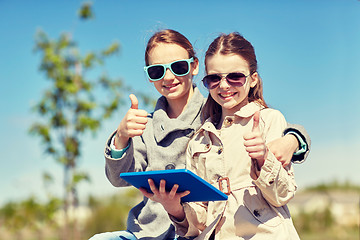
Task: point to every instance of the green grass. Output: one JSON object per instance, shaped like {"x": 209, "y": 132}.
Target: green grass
{"x": 335, "y": 233}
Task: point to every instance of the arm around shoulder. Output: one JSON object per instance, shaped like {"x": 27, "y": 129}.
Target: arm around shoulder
{"x": 304, "y": 142}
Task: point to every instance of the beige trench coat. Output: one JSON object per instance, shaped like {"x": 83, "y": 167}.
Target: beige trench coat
{"x": 255, "y": 209}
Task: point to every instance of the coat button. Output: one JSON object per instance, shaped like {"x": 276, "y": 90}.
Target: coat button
{"x": 170, "y": 166}
{"x": 220, "y": 150}
{"x": 256, "y": 213}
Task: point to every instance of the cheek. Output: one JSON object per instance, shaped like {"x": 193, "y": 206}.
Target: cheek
{"x": 214, "y": 95}
{"x": 158, "y": 85}
{"x": 186, "y": 79}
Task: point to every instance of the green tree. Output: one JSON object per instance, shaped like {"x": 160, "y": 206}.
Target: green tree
{"x": 12, "y": 220}
{"x": 72, "y": 105}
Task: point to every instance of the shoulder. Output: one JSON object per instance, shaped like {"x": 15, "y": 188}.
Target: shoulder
{"x": 271, "y": 113}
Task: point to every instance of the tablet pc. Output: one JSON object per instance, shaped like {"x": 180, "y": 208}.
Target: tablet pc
{"x": 200, "y": 190}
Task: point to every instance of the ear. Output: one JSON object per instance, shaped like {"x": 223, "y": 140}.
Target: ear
{"x": 195, "y": 67}
{"x": 254, "y": 79}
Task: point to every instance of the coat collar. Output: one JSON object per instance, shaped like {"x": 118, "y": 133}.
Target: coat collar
{"x": 245, "y": 112}
{"x": 249, "y": 110}
{"x": 163, "y": 125}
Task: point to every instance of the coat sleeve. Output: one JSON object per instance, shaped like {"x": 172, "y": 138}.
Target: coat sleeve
{"x": 277, "y": 184}
{"x": 195, "y": 219}
{"x": 133, "y": 160}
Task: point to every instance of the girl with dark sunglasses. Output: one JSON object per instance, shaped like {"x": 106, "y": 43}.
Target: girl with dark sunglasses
{"x": 157, "y": 141}
{"x": 230, "y": 149}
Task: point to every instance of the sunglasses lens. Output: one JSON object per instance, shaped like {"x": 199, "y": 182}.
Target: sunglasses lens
{"x": 155, "y": 72}
{"x": 235, "y": 76}
{"x": 211, "y": 81}
{"x": 236, "y": 79}
{"x": 180, "y": 68}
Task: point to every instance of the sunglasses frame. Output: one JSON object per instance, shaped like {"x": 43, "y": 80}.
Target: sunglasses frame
{"x": 168, "y": 66}
{"x": 221, "y": 75}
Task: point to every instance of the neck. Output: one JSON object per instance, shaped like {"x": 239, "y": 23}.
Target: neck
{"x": 232, "y": 111}
{"x": 178, "y": 105}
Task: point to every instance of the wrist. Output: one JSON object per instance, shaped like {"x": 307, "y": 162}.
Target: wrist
{"x": 301, "y": 144}
{"x": 177, "y": 212}
{"x": 120, "y": 142}
{"x": 293, "y": 142}
{"x": 117, "y": 153}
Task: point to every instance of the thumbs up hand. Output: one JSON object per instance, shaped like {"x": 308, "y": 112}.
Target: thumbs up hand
{"x": 133, "y": 124}
{"x": 255, "y": 143}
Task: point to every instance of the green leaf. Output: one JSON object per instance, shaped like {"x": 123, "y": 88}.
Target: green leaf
{"x": 79, "y": 177}
{"x": 85, "y": 122}
{"x": 85, "y": 106}
{"x": 112, "y": 49}
{"x": 72, "y": 146}
{"x": 42, "y": 130}
{"x": 89, "y": 59}
{"x": 86, "y": 12}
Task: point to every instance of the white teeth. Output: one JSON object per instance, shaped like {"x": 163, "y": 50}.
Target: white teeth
{"x": 226, "y": 94}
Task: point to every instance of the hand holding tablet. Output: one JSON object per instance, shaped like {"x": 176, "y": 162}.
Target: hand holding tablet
{"x": 200, "y": 190}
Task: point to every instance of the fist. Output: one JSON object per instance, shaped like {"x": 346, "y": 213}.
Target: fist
{"x": 133, "y": 124}
{"x": 255, "y": 143}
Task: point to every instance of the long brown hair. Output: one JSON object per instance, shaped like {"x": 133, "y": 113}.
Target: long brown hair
{"x": 169, "y": 36}
{"x": 233, "y": 43}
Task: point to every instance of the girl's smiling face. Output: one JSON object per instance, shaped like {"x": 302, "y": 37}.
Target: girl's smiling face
{"x": 170, "y": 86}
{"x": 229, "y": 97}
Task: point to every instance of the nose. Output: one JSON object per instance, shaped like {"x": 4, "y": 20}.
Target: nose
{"x": 168, "y": 75}
{"x": 224, "y": 84}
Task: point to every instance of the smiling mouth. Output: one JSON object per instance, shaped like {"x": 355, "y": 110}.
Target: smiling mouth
{"x": 226, "y": 95}
{"x": 171, "y": 85}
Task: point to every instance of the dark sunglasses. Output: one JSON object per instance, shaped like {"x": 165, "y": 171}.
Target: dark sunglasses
{"x": 178, "y": 68}
{"x": 235, "y": 79}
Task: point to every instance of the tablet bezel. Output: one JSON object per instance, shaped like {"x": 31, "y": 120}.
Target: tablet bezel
{"x": 200, "y": 190}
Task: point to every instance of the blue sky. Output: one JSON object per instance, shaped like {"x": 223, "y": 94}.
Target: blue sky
{"x": 308, "y": 54}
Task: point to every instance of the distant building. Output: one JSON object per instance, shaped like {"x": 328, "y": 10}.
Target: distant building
{"x": 344, "y": 206}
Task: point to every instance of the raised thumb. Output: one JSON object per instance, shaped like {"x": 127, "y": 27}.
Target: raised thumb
{"x": 256, "y": 119}
{"x": 134, "y": 101}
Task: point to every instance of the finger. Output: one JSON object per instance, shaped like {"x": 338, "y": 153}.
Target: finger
{"x": 137, "y": 116}
{"x": 252, "y": 139}
{"x": 152, "y": 186}
{"x": 141, "y": 113}
{"x": 256, "y": 155}
{"x": 248, "y": 136}
{"x": 162, "y": 186}
{"x": 134, "y": 101}
{"x": 134, "y": 133}
{"x": 252, "y": 149}
{"x": 256, "y": 119}
{"x": 173, "y": 191}
{"x": 136, "y": 126}
{"x": 185, "y": 193}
